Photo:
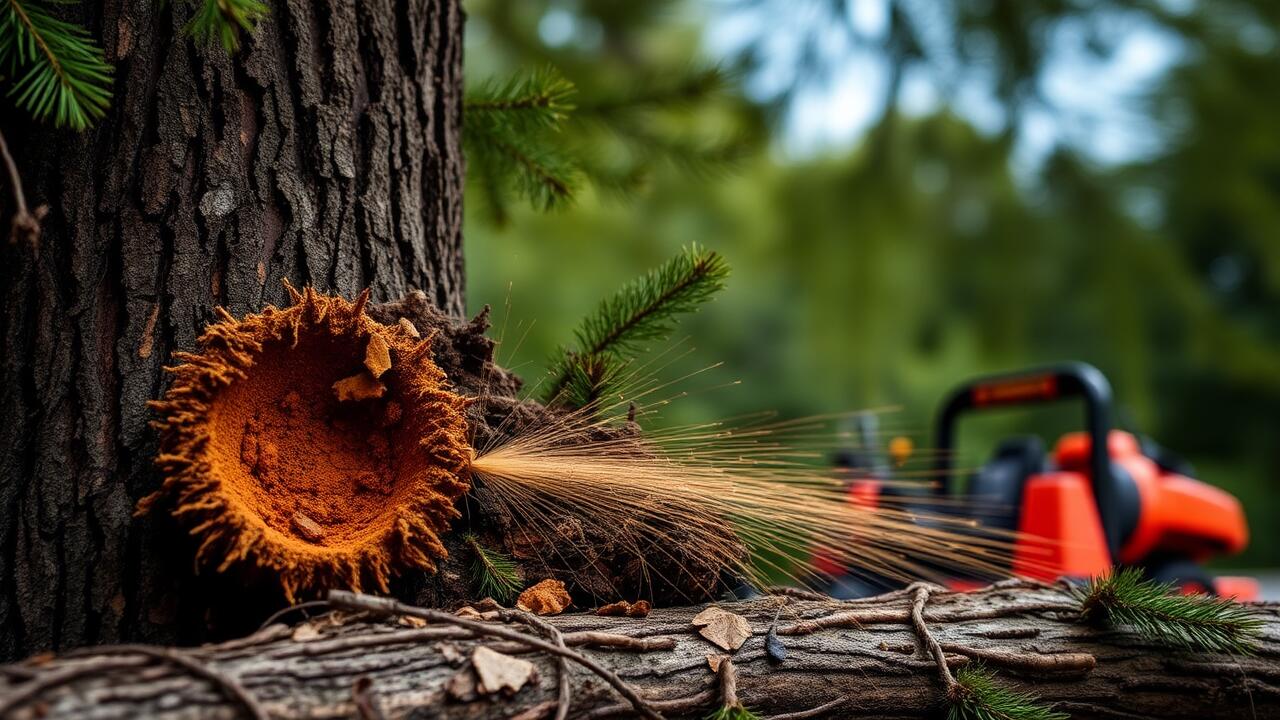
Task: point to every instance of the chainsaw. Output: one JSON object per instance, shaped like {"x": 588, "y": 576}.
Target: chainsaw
{"x": 1102, "y": 498}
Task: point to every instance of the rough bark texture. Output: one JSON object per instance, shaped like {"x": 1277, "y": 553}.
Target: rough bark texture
{"x": 326, "y": 152}
{"x": 1025, "y": 633}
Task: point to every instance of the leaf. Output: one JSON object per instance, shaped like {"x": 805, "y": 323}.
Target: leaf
{"x": 496, "y": 672}
{"x": 548, "y": 597}
{"x": 723, "y": 629}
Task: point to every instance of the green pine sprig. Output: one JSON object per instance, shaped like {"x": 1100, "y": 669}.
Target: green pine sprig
{"x": 223, "y": 21}
{"x": 493, "y": 573}
{"x": 642, "y": 312}
{"x": 590, "y": 377}
{"x": 510, "y": 131}
{"x": 977, "y": 696}
{"x": 56, "y": 68}
{"x": 1159, "y": 613}
{"x": 535, "y": 101}
{"x": 736, "y": 712}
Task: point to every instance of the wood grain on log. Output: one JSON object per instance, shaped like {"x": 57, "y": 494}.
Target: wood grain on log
{"x": 856, "y": 659}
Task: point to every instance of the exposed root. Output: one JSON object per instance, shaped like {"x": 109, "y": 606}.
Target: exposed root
{"x": 926, "y": 638}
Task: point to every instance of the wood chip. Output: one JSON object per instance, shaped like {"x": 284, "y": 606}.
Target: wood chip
{"x": 714, "y": 660}
{"x": 548, "y": 597}
{"x": 309, "y": 529}
{"x": 725, "y": 630}
{"x": 618, "y": 609}
{"x": 639, "y": 609}
{"x": 461, "y": 686}
{"x": 413, "y": 622}
{"x": 450, "y": 653}
{"x": 305, "y": 632}
{"x": 361, "y": 386}
{"x": 377, "y": 356}
{"x": 468, "y": 612}
{"x": 410, "y": 328}
{"x": 496, "y": 672}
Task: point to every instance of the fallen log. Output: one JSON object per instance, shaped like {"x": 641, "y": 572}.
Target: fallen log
{"x": 853, "y": 659}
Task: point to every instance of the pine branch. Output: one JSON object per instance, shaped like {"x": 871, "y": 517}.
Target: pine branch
{"x": 510, "y": 132}
{"x": 1161, "y": 614}
{"x": 223, "y": 21}
{"x": 537, "y": 100}
{"x": 590, "y": 377}
{"x": 494, "y": 574}
{"x": 977, "y": 696}
{"x": 60, "y": 70}
{"x": 643, "y": 311}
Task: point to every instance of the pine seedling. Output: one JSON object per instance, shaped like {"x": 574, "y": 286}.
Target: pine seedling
{"x": 509, "y": 132}
{"x": 56, "y": 69}
{"x": 642, "y": 312}
{"x": 493, "y": 574}
{"x": 222, "y": 21}
{"x": 977, "y": 696}
{"x": 1159, "y": 613}
{"x": 736, "y": 712}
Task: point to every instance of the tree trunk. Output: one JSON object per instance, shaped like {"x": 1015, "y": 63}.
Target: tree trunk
{"x": 872, "y": 669}
{"x": 326, "y": 151}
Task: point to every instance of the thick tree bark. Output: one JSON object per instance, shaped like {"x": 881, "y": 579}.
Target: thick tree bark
{"x": 326, "y": 152}
{"x": 875, "y": 669}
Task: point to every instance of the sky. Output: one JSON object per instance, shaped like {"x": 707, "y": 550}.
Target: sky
{"x": 1090, "y": 103}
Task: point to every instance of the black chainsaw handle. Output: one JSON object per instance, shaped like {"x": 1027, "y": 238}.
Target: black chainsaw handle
{"x": 1034, "y": 387}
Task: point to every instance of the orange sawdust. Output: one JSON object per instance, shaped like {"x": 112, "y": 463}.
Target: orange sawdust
{"x": 548, "y": 597}
{"x": 275, "y": 457}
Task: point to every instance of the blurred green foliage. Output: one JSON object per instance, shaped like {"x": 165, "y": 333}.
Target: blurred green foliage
{"x": 881, "y": 275}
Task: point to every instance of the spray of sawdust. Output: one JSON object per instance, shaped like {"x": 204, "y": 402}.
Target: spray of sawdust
{"x": 706, "y": 490}
{"x": 313, "y": 443}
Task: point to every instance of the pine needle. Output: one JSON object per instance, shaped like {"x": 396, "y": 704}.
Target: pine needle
{"x": 58, "y": 71}
{"x": 1161, "y": 614}
{"x": 493, "y": 573}
{"x": 510, "y": 132}
{"x": 223, "y": 21}
{"x": 643, "y": 311}
{"x": 977, "y": 696}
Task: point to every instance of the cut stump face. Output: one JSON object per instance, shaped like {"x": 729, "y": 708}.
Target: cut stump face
{"x": 315, "y": 444}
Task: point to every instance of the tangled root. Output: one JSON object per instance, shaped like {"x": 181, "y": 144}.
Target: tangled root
{"x": 313, "y": 443}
